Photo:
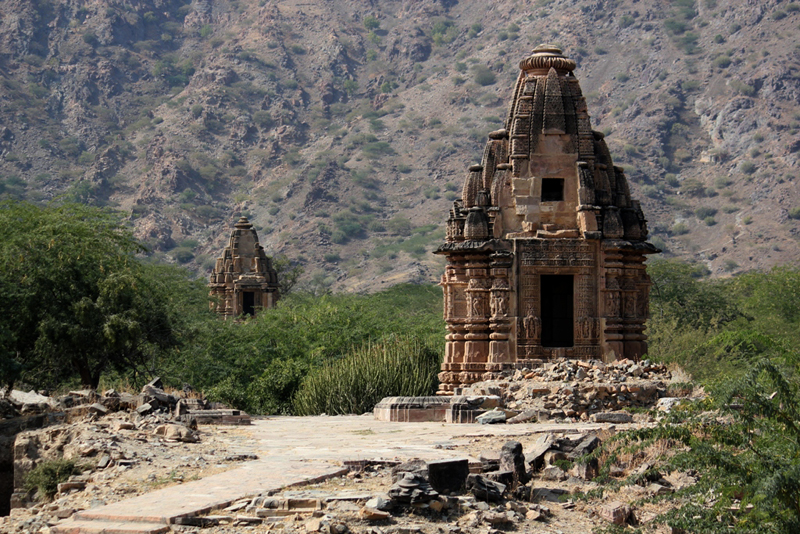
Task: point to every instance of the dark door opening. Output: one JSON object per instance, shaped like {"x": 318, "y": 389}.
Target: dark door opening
{"x": 557, "y": 321}
{"x": 248, "y": 303}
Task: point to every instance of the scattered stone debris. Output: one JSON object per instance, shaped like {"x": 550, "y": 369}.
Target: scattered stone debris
{"x": 105, "y": 433}
{"x": 563, "y": 390}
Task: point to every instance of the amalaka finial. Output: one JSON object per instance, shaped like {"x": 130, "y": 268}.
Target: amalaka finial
{"x": 547, "y": 56}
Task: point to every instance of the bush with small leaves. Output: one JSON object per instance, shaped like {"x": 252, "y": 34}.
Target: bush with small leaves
{"x": 742, "y": 88}
{"x": 474, "y": 30}
{"x": 182, "y": 254}
{"x": 729, "y": 265}
{"x": 704, "y": 212}
{"x": 722, "y": 61}
{"x": 747, "y": 167}
{"x": 794, "y": 213}
{"x": 371, "y": 23}
{"x": 444, "y": 32}
{"x": 483, "y": 75}
{"x": 679, "y": 229}
{"x": 45, "y": 477}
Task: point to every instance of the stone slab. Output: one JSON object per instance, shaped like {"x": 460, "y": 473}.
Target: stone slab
{"x": 217, "y": 491}
{"x": 108, "y": 527}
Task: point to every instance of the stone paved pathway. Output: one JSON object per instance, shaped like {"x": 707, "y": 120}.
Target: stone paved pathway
{"x": 292, "y": 451}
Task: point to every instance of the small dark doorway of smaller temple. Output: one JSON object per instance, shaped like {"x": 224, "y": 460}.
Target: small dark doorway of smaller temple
{"x": 249, "y": 303}
{"x": 557, "y": 320}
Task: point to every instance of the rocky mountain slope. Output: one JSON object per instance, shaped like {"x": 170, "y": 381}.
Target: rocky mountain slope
{"x": 343, "y": 128}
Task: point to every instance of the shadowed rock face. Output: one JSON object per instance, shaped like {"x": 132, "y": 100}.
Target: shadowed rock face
{"x": 545, "y": 248}
{"x": 243, "y": 279}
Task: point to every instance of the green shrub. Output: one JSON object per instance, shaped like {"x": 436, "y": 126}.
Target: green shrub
{"x": 371, "y": 23}
{"x": 703, "y": 212}
{"x": 794, "y": 213}
{"x": 183, "y": 254}
{"x": 483, "y": 75}
{"x": 444, "y": 32}
{"x": 474, "y": 30}
{"x": 722, "y": 61}
{"x": 625, "y": 21}
{"x": 679, "y": 229}
{"x": 730, "y": 265}
{"x": 747, "y": 167}
{"x": 395, "y": 366}
{"x": 778, "y": 15}
{"x": 46, "y": 476}
{"x": 743, "y": 443}
{"x": 377, "y": 149}
{"x": 742, "y": 88}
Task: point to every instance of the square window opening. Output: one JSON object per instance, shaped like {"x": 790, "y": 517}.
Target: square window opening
{"x": 552, "y": 189}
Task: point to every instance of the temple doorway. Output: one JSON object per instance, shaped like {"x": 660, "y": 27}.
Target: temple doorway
{"x": 557, "y": 317}
{"x": 248, "y": 303}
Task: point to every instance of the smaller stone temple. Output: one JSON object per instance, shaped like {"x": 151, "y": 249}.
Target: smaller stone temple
{"x": 243, "y": 280}
{"x": 546, "y": 248}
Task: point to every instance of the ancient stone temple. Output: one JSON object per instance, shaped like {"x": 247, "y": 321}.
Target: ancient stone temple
{"x": 545, "y": 250}
{"x": 243, "y": 280}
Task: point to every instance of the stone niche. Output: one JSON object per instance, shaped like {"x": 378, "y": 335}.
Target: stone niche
{"x": 243, "y": 280}
{"x": 545, "y": 249}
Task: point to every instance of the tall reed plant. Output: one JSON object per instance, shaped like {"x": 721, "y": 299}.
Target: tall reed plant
{"x": 393, "y": 366}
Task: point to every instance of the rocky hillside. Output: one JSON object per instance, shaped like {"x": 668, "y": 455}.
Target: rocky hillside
{"x": 343, "y": 128}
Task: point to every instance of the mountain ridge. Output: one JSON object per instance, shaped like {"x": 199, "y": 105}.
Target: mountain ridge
{"x": 344, "y": 129}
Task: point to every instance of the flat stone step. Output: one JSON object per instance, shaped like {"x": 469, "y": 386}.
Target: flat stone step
{"x": 108, "y": 527}
{"x": 157, "y": 509}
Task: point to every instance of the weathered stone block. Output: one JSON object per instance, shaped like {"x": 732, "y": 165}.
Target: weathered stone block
{"x": 448, "y": 476}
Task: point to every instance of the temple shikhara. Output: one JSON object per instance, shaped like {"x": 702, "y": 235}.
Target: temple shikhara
{"x": 243, "y": 280}
{"x": 545, "y": 250}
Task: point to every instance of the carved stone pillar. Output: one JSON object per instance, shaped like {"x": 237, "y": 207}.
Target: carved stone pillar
{"x": 476, "y": 352}
{"x": 612, "y": 312}
{"x": 454, "y": 283}
{"x": 500, "y": 355}
{"x": 585, "y": 316}
{"x": 635, "y": 295}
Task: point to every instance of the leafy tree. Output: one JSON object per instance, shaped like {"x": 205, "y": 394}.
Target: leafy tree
{"x": 74, "y": 299}
{"x": 371, "y": 23}
{"x": 288, "y": 273}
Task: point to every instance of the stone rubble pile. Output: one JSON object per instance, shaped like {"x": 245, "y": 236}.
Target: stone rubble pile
{"x": 103, "y": 433}
{"x": 76, "y": 405}
{"x": 438, "y": 489}
{"x": 569, "y": 390}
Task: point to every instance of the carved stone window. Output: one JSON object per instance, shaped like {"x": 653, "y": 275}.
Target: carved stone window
{"x": 552, "y": 189}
